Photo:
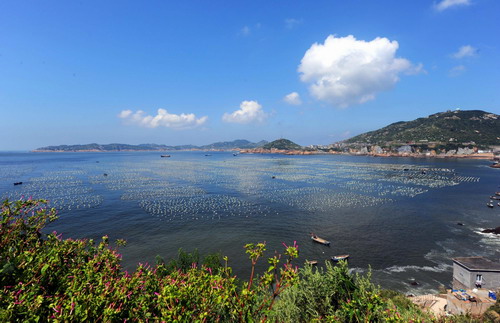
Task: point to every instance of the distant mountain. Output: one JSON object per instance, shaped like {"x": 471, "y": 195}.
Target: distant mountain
{"x": 457, "y": 127}
{"x": 239, "y": 143}
{"x": 282, "y": 144}
{"x": 153, "y": 147}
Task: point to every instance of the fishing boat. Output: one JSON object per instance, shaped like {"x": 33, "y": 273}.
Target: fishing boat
{"x": 495, "y": 197}
{"x": 165, "y": 155}
{"x": 312, "y": 262}
{"x": 495, "y": 165}
{"x": 339, "y": 258}
{"x": 497, "y": 193}
{"x": 490, "y": 204}
{"x": 18, "y": 183}
{"x": 317, "y": 239}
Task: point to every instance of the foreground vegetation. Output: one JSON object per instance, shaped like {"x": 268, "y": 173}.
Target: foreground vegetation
{"x": 45, "y": 277}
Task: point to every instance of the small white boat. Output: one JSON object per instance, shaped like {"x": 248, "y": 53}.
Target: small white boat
{"x": 339, "y": 258}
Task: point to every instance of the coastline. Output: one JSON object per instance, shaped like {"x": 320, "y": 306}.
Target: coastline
{"x": 482, "y": 156}
{"x": 485, "y": 156}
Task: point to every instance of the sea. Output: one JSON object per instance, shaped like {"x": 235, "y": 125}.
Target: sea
{"x": 400, "y": 219}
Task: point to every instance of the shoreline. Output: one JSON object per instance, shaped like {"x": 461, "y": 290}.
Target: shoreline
{"x": 479, "y": 156}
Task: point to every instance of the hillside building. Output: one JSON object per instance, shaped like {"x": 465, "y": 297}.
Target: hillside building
{"x": 475, "y": 272}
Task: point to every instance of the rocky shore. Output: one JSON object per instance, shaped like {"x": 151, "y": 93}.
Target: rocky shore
{"x": 472, "y": 155}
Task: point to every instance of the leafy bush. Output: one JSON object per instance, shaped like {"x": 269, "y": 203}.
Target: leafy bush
{"x": 47, "y": 278}
{"x": 78, "y": 280}
{"x": 333, "y": 294}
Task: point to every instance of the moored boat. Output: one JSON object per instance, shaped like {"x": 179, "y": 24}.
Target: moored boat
{"x": 165, "y": 155}
{"x": 312, "y": 262}
{"x": 317, "y": 239}
{"x": 340, "y": 257}
{"x": 490, "y": 204}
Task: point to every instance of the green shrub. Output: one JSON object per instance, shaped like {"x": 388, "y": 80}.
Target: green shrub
{"x": 333, "y": 294}
{"x": 77, "y": 280}
{"x": 47, "y": 278}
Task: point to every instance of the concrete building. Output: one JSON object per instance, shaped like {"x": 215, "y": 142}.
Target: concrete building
{"x": 475, "y": 272}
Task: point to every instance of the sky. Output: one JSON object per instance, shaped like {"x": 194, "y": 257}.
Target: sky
{"x": 198, "y": 72}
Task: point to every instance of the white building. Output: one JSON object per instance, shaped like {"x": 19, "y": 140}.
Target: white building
{"x": 475, "y": 272}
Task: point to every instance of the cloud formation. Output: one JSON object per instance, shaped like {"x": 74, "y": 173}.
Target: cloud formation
{"x": 345, "y": 71}
{"x": 249, "y": 112}
{"x": 457, "y": 70}
{"x": 446, "y": 4}
{"x": 291, "y": 23}
{"x": 245, "y": 31}
{"x": 465, "y": 51}
{"x": 293, "y": 99}
{"x": 162, "y": 119}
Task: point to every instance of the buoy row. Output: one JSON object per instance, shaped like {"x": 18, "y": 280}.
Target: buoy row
{"x": 209, "y": 188}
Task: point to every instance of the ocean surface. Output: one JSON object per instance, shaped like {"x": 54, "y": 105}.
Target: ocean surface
{"x": 397, "y": 216}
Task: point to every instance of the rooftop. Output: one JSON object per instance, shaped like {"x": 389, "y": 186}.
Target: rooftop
{"x": 477, "y": 263}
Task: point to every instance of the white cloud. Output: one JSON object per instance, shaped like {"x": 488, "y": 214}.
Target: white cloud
{"x": 293, "y": 98}
{"x": 162, "y": 119}
{"x": 291, "y": 23}
{"x": 245, "y": 31}
{"x": 465, "y": 51}
{"x": 345, "y": 71}
{"x": 445, "y": 4}
{"x": 249, "y": 111}
{"x": 457, "y": 70}
{"x": 125, "y": 114}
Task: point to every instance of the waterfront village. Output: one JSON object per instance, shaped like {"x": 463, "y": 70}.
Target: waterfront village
{"x": 402, "y": 150}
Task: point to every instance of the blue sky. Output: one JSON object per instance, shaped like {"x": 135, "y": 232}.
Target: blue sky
{"x": 197, "y": 72}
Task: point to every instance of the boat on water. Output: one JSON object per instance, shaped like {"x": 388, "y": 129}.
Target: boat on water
{"x": 340, "y": 257}
{"x": 165, "y": 155}
{"x": 495, "y": 197}
{"x": 490, "y": 204}
{"x": 497, "y": 193}
{"x": 18, "y": 183}
{"x": 312, "y": 262}
{"x": 495, "y": 165}
{"x": 317, "y": 239}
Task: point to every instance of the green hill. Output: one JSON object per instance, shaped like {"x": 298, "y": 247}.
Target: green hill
{"x": 282, "y": 144}
{"x": 153, "y": 147}
{"x": 458, "y": 127}
{"x": 239, "y": 143}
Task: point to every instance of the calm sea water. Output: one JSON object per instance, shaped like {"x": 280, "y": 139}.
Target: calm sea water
{"x": 396, "y": 215}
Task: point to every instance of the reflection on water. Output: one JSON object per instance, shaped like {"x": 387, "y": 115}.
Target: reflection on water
{"x": 394, "y": 214}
